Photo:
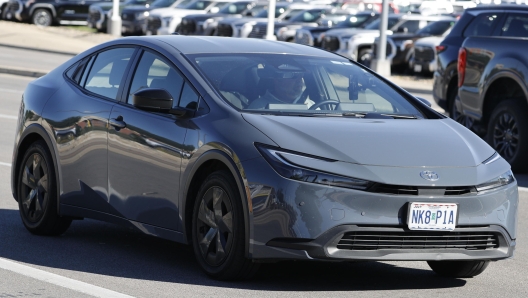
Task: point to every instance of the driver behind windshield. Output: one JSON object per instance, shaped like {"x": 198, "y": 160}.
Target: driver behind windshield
{"x": 284, "y": 85}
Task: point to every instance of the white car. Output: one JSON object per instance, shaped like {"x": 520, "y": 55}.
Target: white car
{"x": 164, "y": 21}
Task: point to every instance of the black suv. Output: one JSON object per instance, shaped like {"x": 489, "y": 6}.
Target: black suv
{"x": 48, "y": 12}
{"x": 478, "y": 21}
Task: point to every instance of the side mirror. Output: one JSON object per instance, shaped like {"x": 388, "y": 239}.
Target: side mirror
{"x": 156, "y": 100}
{"x": 248, "y": 14}
{"x": 402, "y": 30}
{"x": 423, "y": 100}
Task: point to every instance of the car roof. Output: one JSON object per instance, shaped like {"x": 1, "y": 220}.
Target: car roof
{"x": 499, "y": 7}
{"x": 225, "y": 45}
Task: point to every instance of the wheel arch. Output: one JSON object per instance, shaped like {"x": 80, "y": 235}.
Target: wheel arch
{"x": 500, "y": 87}
{"x": 31, "y": 134}
{"x": 48, "y": 6}
{"x": 206, "y": 164}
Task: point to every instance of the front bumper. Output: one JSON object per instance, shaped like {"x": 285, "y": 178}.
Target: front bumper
{"x": 297, "y": 220}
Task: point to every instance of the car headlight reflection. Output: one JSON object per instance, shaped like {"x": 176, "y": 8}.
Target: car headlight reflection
{"x": 502, "y": 180}
{"x": 291, "y": 171}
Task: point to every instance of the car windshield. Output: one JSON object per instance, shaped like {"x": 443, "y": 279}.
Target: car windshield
{"x": 234, "y": 8}
{"x": 307, "y": 16}
{"x": 376, "y": 24}
{"x": 262, "y": 12}
{"x": 162, "y": 3}
{"x": 355, "y": 21}
{"x": 301, "y": 85}
{"x": 436, "y": 28}
{"x": 198, "y": 5}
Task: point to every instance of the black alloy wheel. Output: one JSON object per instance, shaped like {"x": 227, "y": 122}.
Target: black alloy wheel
{"x": 457, "y": 115}
{"x": 218, "y": 229}
{"x": 37, "y": 193}
{"x": 42, "y": 17}
{"x": 215, "y": 226}
{"x": 508, "y": 133}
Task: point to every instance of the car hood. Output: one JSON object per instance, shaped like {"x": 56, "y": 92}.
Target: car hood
{"x": 351, "y": 32}
{"x": 203, "y": 17}
{"x": 174, "y": 12}
{"x": 377, "y": 142}
{"x": 431, "y": 41}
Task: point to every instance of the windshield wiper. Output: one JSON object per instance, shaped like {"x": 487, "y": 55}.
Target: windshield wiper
{"x": 378, "y": 115}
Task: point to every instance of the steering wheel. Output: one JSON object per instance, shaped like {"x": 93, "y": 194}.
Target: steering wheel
{"x": 327, "y": 103}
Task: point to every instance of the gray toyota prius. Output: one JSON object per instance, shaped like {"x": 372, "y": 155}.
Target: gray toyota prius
{"x": 258, "y": 151}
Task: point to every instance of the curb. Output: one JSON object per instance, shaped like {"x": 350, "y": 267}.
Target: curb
{"x": 38, "y": 50}
{"x": 22, "y": 72}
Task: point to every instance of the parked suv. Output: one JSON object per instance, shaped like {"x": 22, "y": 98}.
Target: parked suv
{"x": 478, "y": 21}
{"x": 400, "y": 51}
{"x": 99, "y": 13}
{"x": 47, "y": 12}
{"x": 356, "y": 44}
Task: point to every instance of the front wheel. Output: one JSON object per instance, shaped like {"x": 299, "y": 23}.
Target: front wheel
{"x": 218, "y": 235}
{"x": 42, "y": 17}
{"x": 508, "y": 133}
{"x": 37, "y": 193}
{"x": 458, "y": 269}
{"x": 365, "y": 57}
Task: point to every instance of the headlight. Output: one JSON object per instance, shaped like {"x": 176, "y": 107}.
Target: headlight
{"x": 142, "y": 15}
{"x": 282, "y": 30}
{"x": 289, "y": 170}
{"x": 207, "y": 23}
{"x": 502, "y": 180}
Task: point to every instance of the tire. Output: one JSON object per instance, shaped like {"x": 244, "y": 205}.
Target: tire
{"x": 458, "y": 269}
{"x": 218, "y": 235}
{"x": 4, "y": 14}
{"x": 37, "y": 193}
{"x": 42, "y": 18}
{"x": 365, "y": 57}
{"x": 454, "y": 113}
{"x": 507, "y": 133}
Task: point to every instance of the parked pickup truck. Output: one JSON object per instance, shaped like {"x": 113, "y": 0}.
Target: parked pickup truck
{"x": 493, "y": 90}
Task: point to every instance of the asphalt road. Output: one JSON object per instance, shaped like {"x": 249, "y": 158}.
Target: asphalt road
{"x": 100, "y": 259}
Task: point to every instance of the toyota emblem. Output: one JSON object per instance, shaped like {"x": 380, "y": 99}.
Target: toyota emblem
{"x": 429, "y": 175}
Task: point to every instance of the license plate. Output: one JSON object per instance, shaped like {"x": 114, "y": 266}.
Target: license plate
{"x": 417, "y": 68}
{"x": 432, "y": 216}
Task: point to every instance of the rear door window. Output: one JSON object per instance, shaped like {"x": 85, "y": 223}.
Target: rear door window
{"x": 106, "y": 73}
{"x": 516, "y": 25}
{"x": 482, "y": 25}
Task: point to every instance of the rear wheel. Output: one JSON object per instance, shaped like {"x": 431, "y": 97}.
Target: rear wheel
{"x": 37, "y": 193}
{"x": 218, "y": 234}
{"x": 42, "y": 17}
{"x": 508, "y": 133}
{"x": 458, "y": 269}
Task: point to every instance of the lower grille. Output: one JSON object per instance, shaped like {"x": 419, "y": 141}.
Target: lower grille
{"x": 423, "y": 54}
{"x": 303, "y": 38}
{"x": 94, "y": 16}
{"x": 225, "y": 30}
{"x": 330, "y": 43}
{"x": 258, "y": 31}
{"x": 153, "y": 24}
{"x": 188, "y": 27}
{"x": 365, "y": 240}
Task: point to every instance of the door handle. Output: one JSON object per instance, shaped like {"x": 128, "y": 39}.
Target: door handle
{"x": 118, "y": 122}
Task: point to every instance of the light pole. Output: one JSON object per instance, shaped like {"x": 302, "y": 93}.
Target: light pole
{"x": 271, "y": 21}
{"x": 114, "y": 24}
{"x": 380, "y": 64}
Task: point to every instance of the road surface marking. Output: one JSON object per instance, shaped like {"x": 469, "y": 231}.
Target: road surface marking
{"x": 5, "y": 164}
{"x": 8, "y": 116}
{"x": 58, "y": 280}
